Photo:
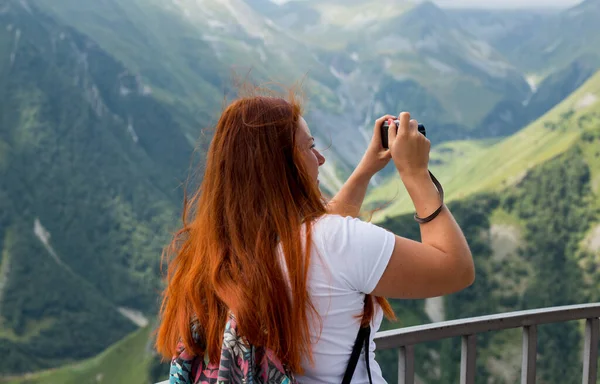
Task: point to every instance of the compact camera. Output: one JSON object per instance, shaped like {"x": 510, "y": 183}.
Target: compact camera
{"x": 384, "y": 132}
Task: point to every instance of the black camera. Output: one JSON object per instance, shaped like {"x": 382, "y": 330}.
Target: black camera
{"x": 384, "y": 132}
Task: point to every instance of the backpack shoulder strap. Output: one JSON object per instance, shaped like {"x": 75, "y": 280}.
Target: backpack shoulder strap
{"x": 362, "y": 340}
{"x": 367, "y": 341}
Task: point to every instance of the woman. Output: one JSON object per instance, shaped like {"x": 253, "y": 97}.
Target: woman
{"x": 299, "y": 273}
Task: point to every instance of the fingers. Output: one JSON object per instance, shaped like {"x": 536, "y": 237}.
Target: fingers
{"x": 392, "y": 132}
{"x": 383, "y": 118}
{"x": 378, "y": 123}
{"x": 413, "y": 125}
{"x": 404, "y": 127}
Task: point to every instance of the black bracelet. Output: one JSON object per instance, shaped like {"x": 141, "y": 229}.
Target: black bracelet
{"x": 437, "y": 211}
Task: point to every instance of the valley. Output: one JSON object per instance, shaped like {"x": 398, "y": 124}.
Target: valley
{"x": 465, "y": 168}
{"x": 106, "y": 109}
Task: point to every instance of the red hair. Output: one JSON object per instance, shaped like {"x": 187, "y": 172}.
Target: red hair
{"x": 255, "y": 195}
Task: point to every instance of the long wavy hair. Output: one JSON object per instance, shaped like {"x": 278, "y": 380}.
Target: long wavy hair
{"x": 255, "y": 195}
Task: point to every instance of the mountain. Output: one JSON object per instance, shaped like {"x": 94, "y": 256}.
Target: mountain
{"x": 330, "y": 23}
{"x": 541, "y": 43}
{"x": 204, "y": 48}
{"x": 520, "y": 36}
{"x": 529, "y": 206}
{"x": 89, "y": 165}
{"x": 128, "y": 361}
{"x": 198, "y": 42}
{"x": 509, "y": 116}
{"x": 496, "y": 25}
{"x": 535, "y": 244}
{"x": 506, "y": 162}
{"x": 103, "y": 107}
{"x": 358, "y": 68}
{"x": 437, "y": 69}
{"x": 460, "y": 72}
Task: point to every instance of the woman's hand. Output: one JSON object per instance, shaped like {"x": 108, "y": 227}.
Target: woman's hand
{"x": 376, "y": 157}
{"x": 408, "y": 147}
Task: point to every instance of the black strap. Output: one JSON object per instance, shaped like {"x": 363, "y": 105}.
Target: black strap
{"x": 367, "y": 342}
{"x": 437, "y": 211}
{"x": 362, "y": 340}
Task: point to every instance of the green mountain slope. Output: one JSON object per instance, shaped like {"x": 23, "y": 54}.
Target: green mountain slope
{"x": 536, "y": 244}
{"x": 101, "y": 104}
{"x": 532, "y": 236}
{"x": 128, "y": 361}
{"x": 530, "y": 208}
{"x": 198, "y": 45}
{"x": 442, "y": 73}
{"x": 509, "y": 116}
{"x": 523, "y": 37}
{"x": 507, "y": 161}
{"x": 529, "y": 252}
{"x": 464, "y": 73}
{"x": 514, "y": 272}
{"x": 89, "y": 165}
{"x": 203, "y": 49}
{"x": 517, "y": 264}
{"x": 555, "y": 41}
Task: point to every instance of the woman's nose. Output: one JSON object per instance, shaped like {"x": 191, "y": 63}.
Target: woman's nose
{"x": 320, "y": 158}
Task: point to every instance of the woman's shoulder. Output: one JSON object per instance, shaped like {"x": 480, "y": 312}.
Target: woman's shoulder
{"x": 358, "y": 249}
{"x": 331, "y": 221}
{"x": 330, "y": 226}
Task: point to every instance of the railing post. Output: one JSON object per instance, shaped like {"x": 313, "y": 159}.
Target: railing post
{"x": 528, "y": 365}
{"x": 590, "y": 351}
{"x": 406, "y": 364}
{"x": 468, "y": 359}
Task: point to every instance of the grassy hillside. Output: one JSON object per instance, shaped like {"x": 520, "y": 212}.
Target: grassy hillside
{"x": 128, "y": 361}
{"x": 534, "y": 235}
{"x": 533, "y": 247}
{"x": 199, "y": 46}
{"x": 504, "y": 163}
{"x": 550, "y": 211}
{"x": 205, "y": 49}
{"x": 97, "y": 129}
{"x": 89, "y": 168}
{"x": 532, "y": 243}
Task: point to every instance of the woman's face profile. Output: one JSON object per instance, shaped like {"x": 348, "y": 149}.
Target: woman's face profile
{"x": 310, "y": 156}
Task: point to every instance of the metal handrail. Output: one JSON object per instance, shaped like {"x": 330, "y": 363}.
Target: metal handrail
{"x": 406, "y": 338}
{"x": 468, "y": 328}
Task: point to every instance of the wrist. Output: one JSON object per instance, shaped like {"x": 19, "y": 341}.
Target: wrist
{"x": 416, "y": 177}
{"x": 423, "y": 192}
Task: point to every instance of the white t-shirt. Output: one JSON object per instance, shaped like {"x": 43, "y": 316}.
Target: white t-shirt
{"x": 348, "y": 258}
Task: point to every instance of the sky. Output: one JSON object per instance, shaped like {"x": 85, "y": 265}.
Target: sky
{"x": 501, "y": 4}
{"x": 507, "y": 3}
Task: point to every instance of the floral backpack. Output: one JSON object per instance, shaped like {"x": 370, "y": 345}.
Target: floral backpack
{"x": 242, "y": 362}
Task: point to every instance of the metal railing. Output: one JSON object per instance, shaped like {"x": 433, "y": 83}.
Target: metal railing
{"x": 406, "y": 338}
